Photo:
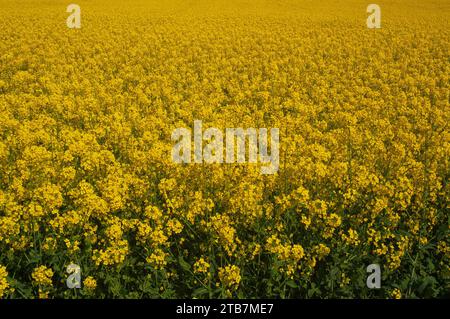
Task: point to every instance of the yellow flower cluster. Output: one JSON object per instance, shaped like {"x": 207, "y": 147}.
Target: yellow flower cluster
{"x": 86, "y": 172}
{"x": 42, "y": 275}
{"x": 289, "y": 254}
{"x": 351, "y": 238}
{"x": 90, "y": 283}
{"x": 4, "y": 285}
{"x": 396, "y": 294}
{"x": 157, "y": 259}
{"x": 230, "y": 277}
{"x": 201, "y": 266}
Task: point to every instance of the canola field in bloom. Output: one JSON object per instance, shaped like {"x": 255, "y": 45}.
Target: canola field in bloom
{"x": 86, "y": 175}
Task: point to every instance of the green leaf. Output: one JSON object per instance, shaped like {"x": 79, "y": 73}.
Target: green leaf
{"x": 426, "y": 282}
{"x": 199, "y": 292}
{"x": 291, "y": 284}
{"x": 184, "y": 264}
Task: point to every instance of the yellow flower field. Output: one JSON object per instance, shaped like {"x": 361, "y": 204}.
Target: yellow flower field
{"x": 86, "y": 175}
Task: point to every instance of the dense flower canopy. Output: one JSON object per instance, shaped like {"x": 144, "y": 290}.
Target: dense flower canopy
{"x": 86, "y": 175}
